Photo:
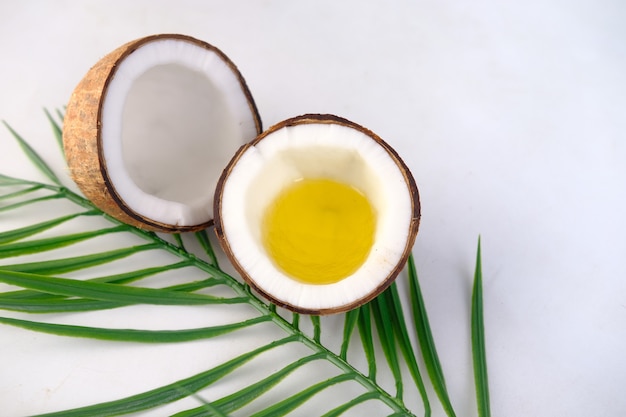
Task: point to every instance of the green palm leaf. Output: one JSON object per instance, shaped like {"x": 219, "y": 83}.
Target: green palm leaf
{"x": 365, "y": 332}
{"x": 478, "y": 341}
{"x": 34, "y": 156}
{"x": 56, "y": 128}
{"x": 380, "y": 312}
{"x": 109, "y": 292}
{"x": 23, "y": 232}
{"x": 427, "y": 343}
{"x": 168, "y": 393}
{"x": 42, "y": 245}
{"x": 47, "y": 280}
{"x": 63, "y": 265}
{"x": 240, "y": 398}
{"x": 133, "y": 335}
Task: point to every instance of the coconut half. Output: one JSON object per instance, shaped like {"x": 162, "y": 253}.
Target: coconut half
{"x": 151, "y": 126}
{"x": 316, "y": 146}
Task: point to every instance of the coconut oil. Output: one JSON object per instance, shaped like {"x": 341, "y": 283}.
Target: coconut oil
{"x": 319, "y": 231}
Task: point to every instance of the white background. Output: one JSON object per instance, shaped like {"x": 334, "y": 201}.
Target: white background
{"x": 511, "y": 116}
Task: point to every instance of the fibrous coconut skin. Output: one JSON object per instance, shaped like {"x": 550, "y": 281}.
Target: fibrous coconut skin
{"x": 411, "y": 233}
{"x": 82, "y": 139}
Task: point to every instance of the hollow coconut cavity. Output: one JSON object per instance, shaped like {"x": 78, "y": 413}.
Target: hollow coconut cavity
{"x": 151, "y": 126}
{"x": 315, "y": 151}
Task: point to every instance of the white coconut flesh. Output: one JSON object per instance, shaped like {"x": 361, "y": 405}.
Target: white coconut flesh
{"x": 173, "y": 114}
{"x": 316, "y": 150}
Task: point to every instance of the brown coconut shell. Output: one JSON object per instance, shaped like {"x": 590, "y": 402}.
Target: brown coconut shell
{"x": 82, "y": 135}
{"x": 218, "y": 214}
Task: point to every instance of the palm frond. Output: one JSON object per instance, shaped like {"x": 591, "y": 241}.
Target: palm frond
{"x": 68, "y": 271}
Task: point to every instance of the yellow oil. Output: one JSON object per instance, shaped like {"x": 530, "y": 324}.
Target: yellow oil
{"x": 319, "y": 231}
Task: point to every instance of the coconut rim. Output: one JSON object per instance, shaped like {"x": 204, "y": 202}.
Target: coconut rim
{"x": 138, "y": 218}
{"x": 411, "y": 234}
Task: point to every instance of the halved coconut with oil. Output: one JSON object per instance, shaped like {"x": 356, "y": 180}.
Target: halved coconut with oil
{"x": 151, "y": 126}
{"x": 318, "y": 214}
